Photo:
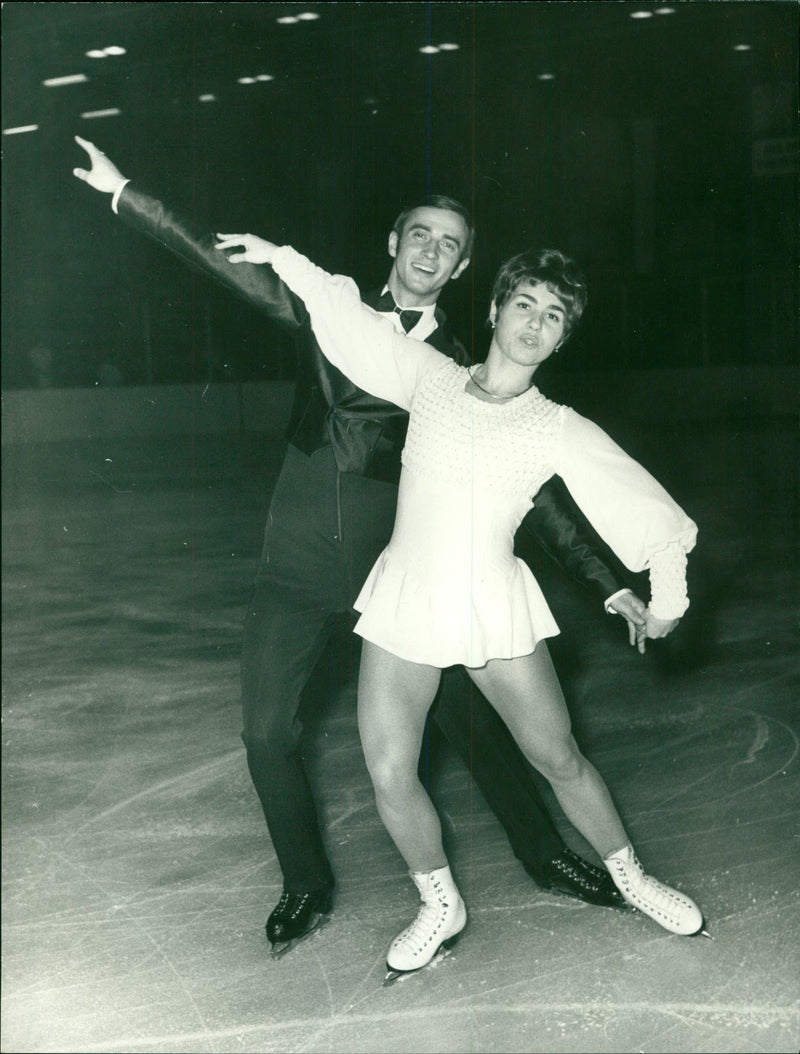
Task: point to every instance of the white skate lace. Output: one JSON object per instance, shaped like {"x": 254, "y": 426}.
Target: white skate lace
{"x": 422, "y": 930}
{"x": 649, "y": 890}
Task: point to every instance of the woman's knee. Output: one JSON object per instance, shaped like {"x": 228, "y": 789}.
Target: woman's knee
{"x": 559, "y": 761}
{"x": 392, "y": 776}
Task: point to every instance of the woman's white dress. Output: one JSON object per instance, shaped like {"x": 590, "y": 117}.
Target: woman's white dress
{"x": 447, "y": 589}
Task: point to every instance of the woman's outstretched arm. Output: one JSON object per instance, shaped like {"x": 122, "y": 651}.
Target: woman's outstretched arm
{"x": 356, "y": 339}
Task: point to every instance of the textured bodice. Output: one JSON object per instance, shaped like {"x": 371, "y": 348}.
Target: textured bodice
{"x": 460, "y": 439}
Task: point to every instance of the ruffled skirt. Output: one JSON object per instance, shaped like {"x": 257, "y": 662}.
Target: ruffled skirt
{"x": 448, "y": 590}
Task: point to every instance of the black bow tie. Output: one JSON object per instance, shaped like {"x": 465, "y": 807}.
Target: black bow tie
{"x": 387, "y": 304}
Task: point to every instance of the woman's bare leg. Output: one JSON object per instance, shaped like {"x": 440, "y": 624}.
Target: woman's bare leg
{"x": 394, "y": 697}
{"x": 526, "y": 693}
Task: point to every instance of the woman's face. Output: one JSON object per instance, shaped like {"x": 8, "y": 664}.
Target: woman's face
{"x": 530, "y": 324}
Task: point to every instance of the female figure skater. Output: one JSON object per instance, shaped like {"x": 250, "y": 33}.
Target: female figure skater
{"x": 448, "y": 589}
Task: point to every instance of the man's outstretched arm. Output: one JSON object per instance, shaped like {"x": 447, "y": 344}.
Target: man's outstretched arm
{"x": 259, "y": 286}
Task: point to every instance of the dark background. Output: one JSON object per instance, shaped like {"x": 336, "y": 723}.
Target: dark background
{"x": 661, "y": 157}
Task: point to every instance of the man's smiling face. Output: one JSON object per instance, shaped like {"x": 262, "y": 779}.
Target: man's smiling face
{"x": 427, "y": 255}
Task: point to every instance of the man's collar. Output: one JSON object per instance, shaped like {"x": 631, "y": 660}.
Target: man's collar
{"x": 428, "y": 310}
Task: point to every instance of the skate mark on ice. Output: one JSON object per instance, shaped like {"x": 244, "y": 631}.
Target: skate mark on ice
{"x": 332, "y": 1013}
{"x": 195, "y": 779}
{"x": 736, "y": 1015}
{"x": 120, "y": 908}
{"x": 371, "y": 978}
{"x": 757, "y": 746}
{"x": 108, "y": 482}
{"x": 349, "y": 814}
{"x": 781, "y": 768}
{"x": 759, "y": 742}
{"x": 156, "y": 950}
{"x": 761, "y": 738}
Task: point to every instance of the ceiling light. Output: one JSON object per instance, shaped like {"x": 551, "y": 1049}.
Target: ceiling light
{"x": 641, "y": 14}
{"x": 111, "y": 112}
{"x": 546, "y": 77}
{"x": 101, "y": 53}
{"x": 308, "y": 16}
{"x": 287, "y": 20}
{"x": 665, "y": 10}
{"x": 264, "y": 77}
{"x": 73, "y": 78}
{"x": 429, "y": 49}
{"x": 246, "y": 80}
{"x": 207, "y": 98}
{"x": 743, "y": 47}
{"x": 449, "y": 47}
{"x": 22, "y": 128}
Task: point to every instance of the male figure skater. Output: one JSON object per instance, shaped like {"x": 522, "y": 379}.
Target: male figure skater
{"x": 331, "y": 514}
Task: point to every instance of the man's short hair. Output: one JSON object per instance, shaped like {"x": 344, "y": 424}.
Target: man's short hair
{"x": 440, "y": 201}
{"x": 555, "y": 269}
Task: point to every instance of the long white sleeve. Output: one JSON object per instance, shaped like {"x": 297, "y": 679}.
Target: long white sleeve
{"x": 629, "y": 509}
{"x": 356, "y": 339}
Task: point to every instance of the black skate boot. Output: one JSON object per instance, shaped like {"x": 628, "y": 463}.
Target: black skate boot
{"x": 296, "y": 916}
{"x": 572, "y": 876}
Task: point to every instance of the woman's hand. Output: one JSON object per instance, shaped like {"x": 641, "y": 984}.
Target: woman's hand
{"x": 256, "y": 250}
{"x": 657, "y": 627}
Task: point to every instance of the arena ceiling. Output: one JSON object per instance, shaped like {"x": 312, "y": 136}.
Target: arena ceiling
{"x": 177, "y": 52}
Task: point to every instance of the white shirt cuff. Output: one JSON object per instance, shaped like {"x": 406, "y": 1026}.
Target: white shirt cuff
{"x": 117, "y": 192}
{"x": 612, "y": 598}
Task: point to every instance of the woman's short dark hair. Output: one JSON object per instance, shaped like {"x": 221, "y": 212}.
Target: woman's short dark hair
{"x": 440, "y": 201}
{"x": 559, "y": 273}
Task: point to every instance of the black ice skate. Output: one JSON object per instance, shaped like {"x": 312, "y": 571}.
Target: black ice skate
{"x": 570, "y": 875}
{"x": 297, "y": 916}
{"x": 439, "y": 924}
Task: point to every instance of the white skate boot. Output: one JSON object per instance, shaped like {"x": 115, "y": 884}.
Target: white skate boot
{"x": 673, "y": 910}
{"x": 439, "y": 924}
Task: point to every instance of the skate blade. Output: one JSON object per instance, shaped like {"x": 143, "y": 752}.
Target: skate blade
{"x": 620, "y": 905}
{"x": 702, "y": 932}
{"x": 282, "y": 948}
{"x": 392, "y": 975}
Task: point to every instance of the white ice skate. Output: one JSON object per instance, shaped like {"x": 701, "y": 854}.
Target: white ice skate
{"x": 439, "y": 924}
{"x": 673, "y": 910}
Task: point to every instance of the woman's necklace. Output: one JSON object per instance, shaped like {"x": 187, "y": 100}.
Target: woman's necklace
{"x": 499, "y": 398}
